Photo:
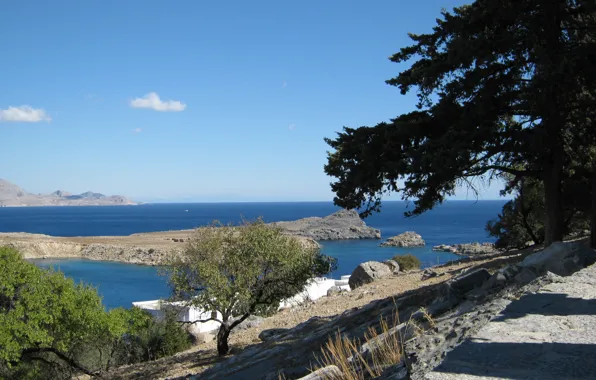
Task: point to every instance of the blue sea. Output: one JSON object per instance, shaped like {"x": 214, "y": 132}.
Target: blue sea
{"x": 121, "y": 284}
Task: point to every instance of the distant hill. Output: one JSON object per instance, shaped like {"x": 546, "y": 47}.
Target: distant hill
{"x": 12, "y": 195}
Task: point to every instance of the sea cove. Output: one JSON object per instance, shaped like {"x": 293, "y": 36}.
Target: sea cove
{"x": 120, "y": 284}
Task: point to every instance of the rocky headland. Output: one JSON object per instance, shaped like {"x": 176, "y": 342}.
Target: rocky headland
{"x": 151, "y": 248}
{"x": 12, "y": 195}
{"x": 406, "y": 239}
{"x": 343, "y": 224}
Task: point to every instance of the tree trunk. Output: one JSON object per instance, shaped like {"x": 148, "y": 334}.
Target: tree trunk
{"x": 593, "y": 211}
{"x": 222, "y": 339}
{"x": 554, "y": 219}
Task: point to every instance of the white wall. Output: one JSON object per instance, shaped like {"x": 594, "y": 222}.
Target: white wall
{"x": 185, "y": 313}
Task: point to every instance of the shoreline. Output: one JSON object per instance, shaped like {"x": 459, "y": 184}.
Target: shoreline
{"x": 144, "y": 248}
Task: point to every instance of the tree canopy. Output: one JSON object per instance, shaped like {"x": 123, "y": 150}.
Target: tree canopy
{"x": 502, "y": 86}
{"x": 239, "y": 270}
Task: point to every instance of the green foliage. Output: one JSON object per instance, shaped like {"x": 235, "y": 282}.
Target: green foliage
{"x": 521, "y": 220}
{"x": 242, "y": 270}
{"x": 51, "y": 327}
{"x": 150, "y": 339}
{"x": 499, "y": 83}
{"x": 407, "y": 261}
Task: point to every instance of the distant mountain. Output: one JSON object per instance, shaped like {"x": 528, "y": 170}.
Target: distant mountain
{"x": 13, "y": 196}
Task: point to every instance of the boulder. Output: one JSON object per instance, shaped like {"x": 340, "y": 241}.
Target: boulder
{"x": 368, "y": 272}
{"x": 562, "y": 259}
{"x": 407, "y": 239}
{"x": 525, "y": 276}
{"x": 333, "y": 290}
{"x": 393, "y": 265}
{"x": 469, "y": 281}
{"x": 269, "y": 334}
{"x": 496, "y": 281}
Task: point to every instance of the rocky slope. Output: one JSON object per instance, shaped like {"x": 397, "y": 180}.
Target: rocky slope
{"x": 343, "y": 224}
{"x": 13, "y": 196}
{"x": 463, "y": 305}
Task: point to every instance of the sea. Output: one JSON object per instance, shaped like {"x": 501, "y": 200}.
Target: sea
{"x": 121, "y": 284}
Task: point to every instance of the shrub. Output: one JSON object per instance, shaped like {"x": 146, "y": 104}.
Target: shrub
{"x": 407, "y": 261}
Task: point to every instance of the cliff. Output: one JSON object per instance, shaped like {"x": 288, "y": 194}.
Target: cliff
{"x": 343, "y": 224}
{"x": 12, "y": 195}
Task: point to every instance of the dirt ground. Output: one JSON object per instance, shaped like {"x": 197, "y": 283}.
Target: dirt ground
{"x": 201, "y": 357}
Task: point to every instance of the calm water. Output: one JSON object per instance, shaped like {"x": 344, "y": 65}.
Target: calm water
{"x": 121, "y": 284}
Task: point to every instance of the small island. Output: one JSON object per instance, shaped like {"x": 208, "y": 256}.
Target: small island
{"x": 341, "y": 225}
{"x": 12, "y": 195}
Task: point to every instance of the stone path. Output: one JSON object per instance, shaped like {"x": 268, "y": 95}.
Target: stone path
{"x": 550, "y": 334}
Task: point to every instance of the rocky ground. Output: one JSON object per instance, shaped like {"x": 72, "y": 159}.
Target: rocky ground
{"x": 303, "y": 330}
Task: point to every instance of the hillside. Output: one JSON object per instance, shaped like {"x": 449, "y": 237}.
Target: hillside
{"x": 12, "y": 195}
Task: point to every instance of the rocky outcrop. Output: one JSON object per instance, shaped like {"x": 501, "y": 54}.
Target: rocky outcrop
{"x": 468, "y": 249}
{"x": 343, "y": 224}
{"x": 47, "y": 248}
{"x": 13, "y": 196}
{"x": 368, "y": 272}
{"x": 406, "y": 239}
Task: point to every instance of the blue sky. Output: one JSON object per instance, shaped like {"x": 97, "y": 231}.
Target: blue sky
{"x": 193, "y": 100}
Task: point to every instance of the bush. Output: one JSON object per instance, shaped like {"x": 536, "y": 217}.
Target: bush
{"x": 407, "y": 261}
{"x": 150, "y": 339}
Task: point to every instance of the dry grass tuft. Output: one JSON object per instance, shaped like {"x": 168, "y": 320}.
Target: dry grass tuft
{"x": 383, "y": 345}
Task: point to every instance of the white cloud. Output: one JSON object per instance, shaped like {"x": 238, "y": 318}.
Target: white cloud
{"x": 25, "y": 114}
{"x": 137, "y": 130}
{"x": 152, "y": 101}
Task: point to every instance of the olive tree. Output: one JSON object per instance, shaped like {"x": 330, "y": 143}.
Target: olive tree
{"x": 238, "y": 270}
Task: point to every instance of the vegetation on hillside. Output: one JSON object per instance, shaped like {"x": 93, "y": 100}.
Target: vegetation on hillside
{"x": 244, "y": 270}
{"x": 51, "y": 327}
{"x": 504, "y": 87}
{"x": 407, "y": 261}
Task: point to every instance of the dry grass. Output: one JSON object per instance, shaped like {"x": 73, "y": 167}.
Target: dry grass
{"x": 384, "y": 345}
{"x": 429, "y": 318}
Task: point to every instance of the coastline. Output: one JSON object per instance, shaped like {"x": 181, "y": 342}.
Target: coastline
{"x": 145, "y": 248}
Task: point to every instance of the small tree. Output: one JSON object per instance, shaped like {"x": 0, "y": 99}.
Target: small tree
{"x": 238, "y": 270}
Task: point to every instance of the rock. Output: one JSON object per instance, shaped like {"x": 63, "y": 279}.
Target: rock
{"x": 406, "y": 239}
{"x": 468, "y": 281}
{"x": 429, "y": 273}
{"x": 393, "y": 265}
{"x": 368, "y": 272}
{"x": 396, "y": 372}
{"x": 496, "y": 281}
{"x": 333, "y": 290}
{"x": 559, "y": 258}
{"x": 269, "y": 334}
{"x": 525, "y": 276}
{"x": 343, "y": 224}
{"x": 329, "y": 372}
{"x": 250, "y": 322}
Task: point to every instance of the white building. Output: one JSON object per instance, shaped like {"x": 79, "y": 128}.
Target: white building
{"x": 185, "y": 313}
{"x": 315, "y": 289}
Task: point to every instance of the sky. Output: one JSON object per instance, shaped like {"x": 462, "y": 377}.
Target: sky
{"x": 196, "y": 101}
